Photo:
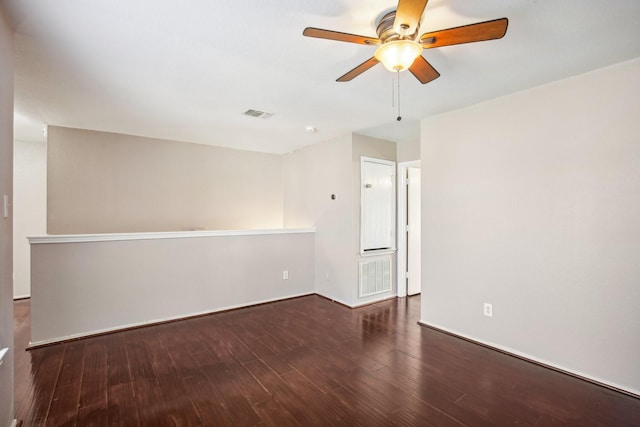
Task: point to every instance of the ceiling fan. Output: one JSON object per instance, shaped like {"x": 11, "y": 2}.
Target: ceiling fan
{"x": 400, "y": 48}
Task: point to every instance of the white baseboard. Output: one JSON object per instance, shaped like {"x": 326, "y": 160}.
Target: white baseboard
{"x": 339, "y": 301}
{"x": 359, "y": 304}
{"x": 375, "y": 300}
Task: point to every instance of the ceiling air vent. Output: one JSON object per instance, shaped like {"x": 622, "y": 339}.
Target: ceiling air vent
{"x": 257, "y": 113}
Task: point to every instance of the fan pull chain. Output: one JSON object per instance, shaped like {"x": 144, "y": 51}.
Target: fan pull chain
{"x": 399, "y": 116}
{"x": 393, "y": 91}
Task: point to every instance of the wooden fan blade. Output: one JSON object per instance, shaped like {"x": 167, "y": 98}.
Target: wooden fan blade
{"x": 341, "y": 37}
{"x": 488, "y": 30}
{"x": 423, "y": 70}
{"x": 408, "y": 14}
{"x": 358, "y": 70}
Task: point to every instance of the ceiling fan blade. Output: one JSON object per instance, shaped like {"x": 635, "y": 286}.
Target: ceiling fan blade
{"x": 423, "y": 70}
{"x": 341, "y": 37}
{"x": 358, "y": 70}
{"x": 408, "y": 14}
{"x": 488, "y": 30}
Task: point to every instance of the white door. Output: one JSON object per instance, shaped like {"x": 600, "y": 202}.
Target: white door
{"x": 413, "y": 232}
{"x": 378, "y": 205}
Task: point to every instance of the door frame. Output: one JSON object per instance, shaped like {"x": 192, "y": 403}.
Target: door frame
{"x": 401, "y": 223}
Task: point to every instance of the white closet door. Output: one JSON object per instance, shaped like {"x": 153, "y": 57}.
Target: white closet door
{"x": 378, "y": 205}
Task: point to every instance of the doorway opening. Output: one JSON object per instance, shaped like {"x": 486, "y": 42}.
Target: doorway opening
{"x": 408, "y": 229}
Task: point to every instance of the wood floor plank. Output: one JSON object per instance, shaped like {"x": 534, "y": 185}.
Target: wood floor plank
{"x": 349, "y": 354}
{"x": 232, "y": 397}
{"x": 327, "y": 406}
{"x": 121, "y": 406}
{"x": 493, "y": 408}
{"x": 150, "y": 403}
{"x": 277, "y": 362}
{"x": 171, "y": 402}
{"x": 42, "y": 374}
{"x": 118, "y": 363}
{"x": 258, "y": 341}
{"x": 179, "y": 407}
{"x": 583, "y": 408}
{"x": 422, "y": 387}
{"x": 93, "y": 403}
{"x": 304, "y": 361}
{"x": 221, "y": 340}
{"x": 362, "y": 409}
{"x": 316, "y": 368}
{"x": 437, "y": 394}
{"x": 283, "y": 328}
{"x": 245, "y": 384}
{"x": 364, "y": 384}
{"x": 418, "y": 413}
{"x": 137, "y": 354}
{"x": 285, "y": 397}
{"x": 66, "y": 395}
{"x": 274, "y": 414}
{"x": 209, "y": 401}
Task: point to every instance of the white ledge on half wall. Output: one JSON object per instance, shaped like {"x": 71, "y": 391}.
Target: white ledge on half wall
{"x": 111, "y": 237}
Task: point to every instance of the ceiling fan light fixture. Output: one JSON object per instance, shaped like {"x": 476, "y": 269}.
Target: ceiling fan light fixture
{"x": 398, "y": 55}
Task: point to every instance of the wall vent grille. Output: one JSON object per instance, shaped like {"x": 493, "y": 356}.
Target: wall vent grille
{"x": 257, "y": 114}
{"x": 375, "y": 276}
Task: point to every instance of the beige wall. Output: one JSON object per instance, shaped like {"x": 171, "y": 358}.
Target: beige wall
{"x": 6, "y": 226}
{"x": 534, "y": 206}
{"x": 408, "y": 151}
{"x": 29, "y": 208}
{"x": 102, "y": 182}
{"x": 311, "y": 176}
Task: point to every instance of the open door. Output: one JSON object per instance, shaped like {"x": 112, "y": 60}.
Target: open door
{"x": 414, "y": 286}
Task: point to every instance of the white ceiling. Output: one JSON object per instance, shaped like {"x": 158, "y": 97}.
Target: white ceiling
{"x": 186, "y": 70}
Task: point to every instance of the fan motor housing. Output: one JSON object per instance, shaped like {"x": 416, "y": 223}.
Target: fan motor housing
{"x": 386, "y": 32}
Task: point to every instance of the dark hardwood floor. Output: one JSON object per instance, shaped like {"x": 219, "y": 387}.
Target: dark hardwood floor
{"x": 305, "y": 361}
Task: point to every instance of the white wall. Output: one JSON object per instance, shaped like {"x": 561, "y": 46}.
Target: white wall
{"x": 80, "y": 288}
{"x": 6, "y": 226}
{"x": 29, "y": 208}
{"x": 534, "y": 206}
{"x": 100, "y": 182}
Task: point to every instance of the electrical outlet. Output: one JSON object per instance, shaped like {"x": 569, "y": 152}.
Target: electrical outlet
{"x": 285, "y": 274}
{"x": 488, "y": 309}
